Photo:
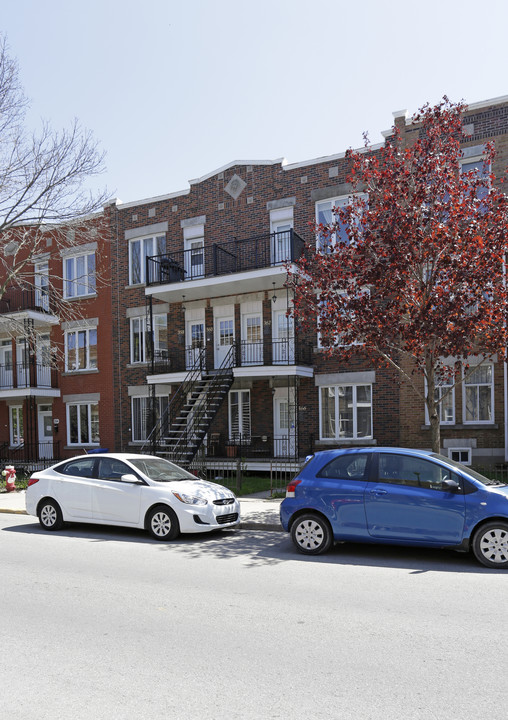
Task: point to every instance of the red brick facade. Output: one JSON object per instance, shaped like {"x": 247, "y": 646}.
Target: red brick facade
{"x": 240, "y": 204}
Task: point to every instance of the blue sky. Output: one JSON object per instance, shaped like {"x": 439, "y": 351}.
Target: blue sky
{"x": 174, "y": 90}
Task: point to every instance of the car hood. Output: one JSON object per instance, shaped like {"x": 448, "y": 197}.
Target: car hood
{"x": 197, "y": 488}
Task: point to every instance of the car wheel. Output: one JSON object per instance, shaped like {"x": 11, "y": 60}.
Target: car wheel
{"x": 50, "y": 515}
{"x": 162, "y": 523}
{"x": 311, "y": 534}
{"x": 490, "y": 545}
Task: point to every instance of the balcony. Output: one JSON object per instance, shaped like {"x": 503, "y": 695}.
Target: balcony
{"x": 27, "y": 379}
{"x": 270, "y": 353}
{"x": 254, "y": 263}
{"x": 16, "y": 299}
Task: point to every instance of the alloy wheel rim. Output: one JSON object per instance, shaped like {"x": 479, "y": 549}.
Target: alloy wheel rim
{"x": 309, "y": 535}
{"x": 161, "y": 524}
{"x": 48, "y": 515}
{"x": 494, "y": 546}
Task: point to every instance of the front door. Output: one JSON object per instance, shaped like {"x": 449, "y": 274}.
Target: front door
{"x": 45, "y": 432}
{"x": 194, "y": 342}
{"x": 284, "y": 430}
{"x": 252, "y": 345}
{"x": 6, "y": 364}
{"x": 283, "y": 339}
{"x": 407, "y": 502}
{"x": 281, "y": 243}
{"x": 43, "y": 362}
{"x": 224, "y": 338}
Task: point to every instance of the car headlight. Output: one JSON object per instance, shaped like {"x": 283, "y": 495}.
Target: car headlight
{"x": 190, "y": 499}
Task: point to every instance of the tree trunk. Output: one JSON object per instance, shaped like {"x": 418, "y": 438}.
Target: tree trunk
{"x": 433, "y": 408}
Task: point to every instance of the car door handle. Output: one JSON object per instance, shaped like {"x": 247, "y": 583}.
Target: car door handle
{"x": 378, "y": 491}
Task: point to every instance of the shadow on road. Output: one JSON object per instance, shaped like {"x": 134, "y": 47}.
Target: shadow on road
{"x": 268, "y": 548}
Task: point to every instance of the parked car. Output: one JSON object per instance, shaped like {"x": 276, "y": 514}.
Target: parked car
{"x": 139, "y": 491}
{"x": 399, "y": 497}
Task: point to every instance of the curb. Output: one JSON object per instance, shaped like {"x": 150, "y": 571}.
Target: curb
{"x": 260, "y": 526}
{"x": 13, "y": 512}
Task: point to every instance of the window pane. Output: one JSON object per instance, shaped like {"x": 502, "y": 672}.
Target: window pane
{"x": 92, "y": 348}
{"x": 73, "y": 424}
{"x": 94, "y": 423}
{"x": 83, "y": 424}
{"x": 328, "y": 412}
{"x": 345, "y": 412}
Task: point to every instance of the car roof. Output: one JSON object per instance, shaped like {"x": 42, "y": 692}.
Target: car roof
{"x": 397, "y": 450}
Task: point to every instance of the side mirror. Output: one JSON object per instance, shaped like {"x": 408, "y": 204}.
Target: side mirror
{"x": 129, "y": 478}
{"x": 449, "y": 485}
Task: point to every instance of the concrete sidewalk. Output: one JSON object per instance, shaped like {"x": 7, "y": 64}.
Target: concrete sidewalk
{"x": 258, "y": 512}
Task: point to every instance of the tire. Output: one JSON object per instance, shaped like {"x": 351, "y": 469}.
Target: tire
{"x": 162, "y": 523}
{"x": 50, "y": 515}
{"x": 490, "y": 545}
{"x": 311, "y": 534}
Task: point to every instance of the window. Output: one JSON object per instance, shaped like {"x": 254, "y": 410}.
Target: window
{"x": 461, "y": 455}
{"x": 479, "y": 395}
{"x": 79, "y": 275}
{"x": 413, "y": 471}
{"x": 140, "y": 415}
{"x": 42, "y": 285}
{"x": 239, "y": 415}
{"x": 327, "y": 215}
{"x": 82, "y": 467}
{"x": 81, "y": 349}
{"x": 348, "y": 467}
{"x": 345, "y": 412}
{"x": 139, "y": 251}
{"x": 479, "y": 170}
{"x": 16, "y": 425}
{"x": 446, "y": 407}
{"x": 140, "y": 348}
{"x": 194, "y": 258}
{"x": 83, "y": 424}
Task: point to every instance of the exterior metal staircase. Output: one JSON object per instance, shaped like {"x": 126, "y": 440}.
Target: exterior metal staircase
{"x": 181, "y": 430}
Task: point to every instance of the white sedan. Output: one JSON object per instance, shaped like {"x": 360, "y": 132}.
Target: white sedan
{"x": 139, "y": 491}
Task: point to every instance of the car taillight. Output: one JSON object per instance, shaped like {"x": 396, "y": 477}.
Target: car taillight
{"x": 290, "y": 490}
{"x": 32, "y": 481}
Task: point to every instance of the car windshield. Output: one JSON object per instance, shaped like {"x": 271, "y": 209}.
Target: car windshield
{"x": 472, "y": 473}
{"x": 161, "y": 470}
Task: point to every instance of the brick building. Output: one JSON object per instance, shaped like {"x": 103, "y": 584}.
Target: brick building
{"x": 195, "y": 349}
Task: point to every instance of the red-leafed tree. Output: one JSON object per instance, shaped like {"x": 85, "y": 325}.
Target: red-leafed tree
{"x": 420, "y": 283}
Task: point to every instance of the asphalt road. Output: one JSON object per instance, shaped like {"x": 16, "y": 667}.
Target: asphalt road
{"x": 106, "y": 623}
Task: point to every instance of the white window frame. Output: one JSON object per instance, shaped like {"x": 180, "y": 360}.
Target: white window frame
{"x": 440, "y": 388}
{"x": 16, "y": 415}
{"x": 337, "y": 437}
{"x": 243, "y": 428}
{"x": 149, "y": 246}
{"x": 89, "y": 421}
{"x": 460, "y": 450}
{"x": 159, "y": 321}
{"x": 83, "y": 285}
{"x": 71, "y": 365}
{"x": 467, "y": 384}
{"x": 340, "y": 201}
{"x": 41, "y": 282}
{"x": 139, "y": 415}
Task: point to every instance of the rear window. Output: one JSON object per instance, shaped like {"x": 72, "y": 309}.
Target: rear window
{"x": 83, "y": 467}
{"x": 347, "y": 467}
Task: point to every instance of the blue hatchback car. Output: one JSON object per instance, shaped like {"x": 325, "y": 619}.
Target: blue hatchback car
{"x": 396, "y": 496}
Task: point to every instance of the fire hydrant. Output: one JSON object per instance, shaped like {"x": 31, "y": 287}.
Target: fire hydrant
{"x": 10, "y": 478}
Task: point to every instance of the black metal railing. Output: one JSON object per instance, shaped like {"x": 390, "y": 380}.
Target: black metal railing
{"x": 225, "y": 258}
{"x": 181, "y": 430}
{"x": 42, "y": 454}
{"x": 268, "y": 352}
{"x": 31, "y": 375}
{"x": 17, "y": 299}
